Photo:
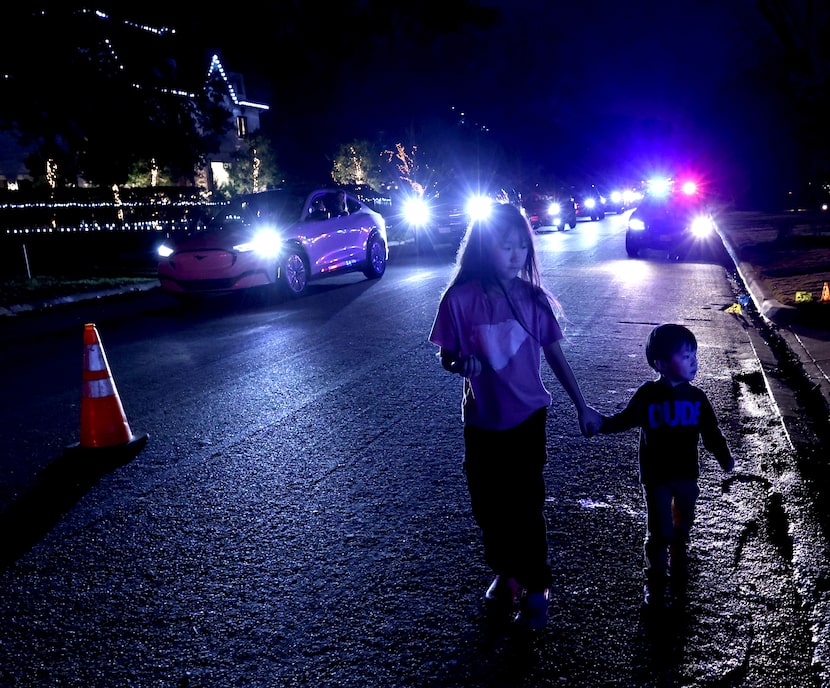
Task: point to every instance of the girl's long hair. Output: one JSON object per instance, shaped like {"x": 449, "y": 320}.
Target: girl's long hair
{"x": 473, "y": 261}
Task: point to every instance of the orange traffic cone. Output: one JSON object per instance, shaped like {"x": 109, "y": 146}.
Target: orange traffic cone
{"x": 825, "y": 292}
{"x": 103, "y": 422}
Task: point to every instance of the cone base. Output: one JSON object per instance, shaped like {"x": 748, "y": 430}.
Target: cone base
{"x": 123, "y": 452}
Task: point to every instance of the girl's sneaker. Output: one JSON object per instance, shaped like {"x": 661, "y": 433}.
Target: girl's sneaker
{"x": 502, "y": 595}
{"x": 533, "y": 610}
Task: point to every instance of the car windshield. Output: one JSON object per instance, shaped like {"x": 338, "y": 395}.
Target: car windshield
{"x": 278, "y": 206}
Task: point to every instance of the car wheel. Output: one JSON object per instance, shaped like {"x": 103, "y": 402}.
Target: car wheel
{"x": 376, "y": 259}
{"x": 295, "y": 273}
{"x": 632, "y": 248}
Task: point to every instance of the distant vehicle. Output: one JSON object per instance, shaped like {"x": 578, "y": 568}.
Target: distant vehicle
{"x": 442, "y": 217}
{"x": 590, "y": 203}
{"x": 556, "y": 210}
{"x": 673, "y": 222}
{"x": 280, "y": 237}
{"x": 615, "y": 201}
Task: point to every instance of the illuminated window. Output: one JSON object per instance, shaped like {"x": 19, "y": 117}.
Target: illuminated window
{"x": 241, "y": 126}
{"x": 220, "y": 174}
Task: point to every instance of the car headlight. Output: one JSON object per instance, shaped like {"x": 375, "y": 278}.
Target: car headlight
{"x": 636, "y": 224}
{"x": 616, "y": 197}
{"x": 554, "y": 209}
{"x": 659, "y": 186}
{"x": 164, "y": 251}
{"x": 702, "y": 227}
{"x": 266, "y": 243}
{"x": 590, "y": 202}
{"x": 416, "y": 211}
{"x": 479, "y": 207}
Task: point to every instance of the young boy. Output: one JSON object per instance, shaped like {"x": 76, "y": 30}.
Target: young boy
{"x": 673, "y": 415}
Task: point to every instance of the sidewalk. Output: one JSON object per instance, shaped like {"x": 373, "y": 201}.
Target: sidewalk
{"x": 784, "y": 264}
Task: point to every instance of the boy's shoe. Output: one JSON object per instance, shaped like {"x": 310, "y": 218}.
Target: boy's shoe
{"x": 654, "y": 592}
{"x": 653, "y": 597}
{"x": 502, "y": 594}
{"x": 533, "y": 610}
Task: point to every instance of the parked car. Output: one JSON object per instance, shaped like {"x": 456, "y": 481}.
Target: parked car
{"x": 280, "y": 237}
{"x": 556, "y": 210}
{"x": 674, "y": 223}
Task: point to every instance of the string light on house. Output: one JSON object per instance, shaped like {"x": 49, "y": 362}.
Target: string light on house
{"x": 216, "y": 66}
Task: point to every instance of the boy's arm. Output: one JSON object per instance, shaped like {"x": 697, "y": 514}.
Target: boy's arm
{"x": 627, "y": 419}
{"x": 713, "y": 438}
{"x": 589, "y": 419}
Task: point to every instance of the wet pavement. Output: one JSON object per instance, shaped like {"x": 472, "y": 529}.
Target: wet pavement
{"x": 208, "y": 610}
{"x": 808, "y": 338}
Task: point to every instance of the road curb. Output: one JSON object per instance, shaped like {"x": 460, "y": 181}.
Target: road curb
{"x": 765, "y": 303}
{"x": 18, "y": 309}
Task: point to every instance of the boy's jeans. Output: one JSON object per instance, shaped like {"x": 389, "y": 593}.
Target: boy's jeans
{"x": 670, "y": 513}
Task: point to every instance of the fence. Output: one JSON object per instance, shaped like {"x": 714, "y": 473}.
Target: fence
{"x": 88, "y": 232}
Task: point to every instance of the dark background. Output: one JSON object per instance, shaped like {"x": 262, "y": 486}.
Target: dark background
{"x": 572, "y": 89}
{"x": 593, "y": 89}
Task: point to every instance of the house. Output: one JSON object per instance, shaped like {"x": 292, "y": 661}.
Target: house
{"x": 153, "y": 56}
{"x": 245, "y": 114}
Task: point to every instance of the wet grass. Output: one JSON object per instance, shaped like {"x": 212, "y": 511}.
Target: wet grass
{"x": 44, "y": 288}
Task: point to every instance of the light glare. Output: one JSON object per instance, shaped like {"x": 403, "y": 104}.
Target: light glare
{"x": 266, "y": 243}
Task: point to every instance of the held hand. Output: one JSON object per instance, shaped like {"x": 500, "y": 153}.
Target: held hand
{"x": 590, "y": 422}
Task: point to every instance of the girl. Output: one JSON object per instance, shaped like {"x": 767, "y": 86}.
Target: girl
{"x": 494, "y": 319}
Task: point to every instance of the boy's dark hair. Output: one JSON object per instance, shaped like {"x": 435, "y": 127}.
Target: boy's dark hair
{"x": 666, "y": 340}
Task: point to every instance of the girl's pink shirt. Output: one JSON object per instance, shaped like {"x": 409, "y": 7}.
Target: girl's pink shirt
{"x": 509, "y": 388}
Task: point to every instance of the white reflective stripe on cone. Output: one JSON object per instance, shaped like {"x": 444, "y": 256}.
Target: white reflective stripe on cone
{"x": 94, "y": 358}
{"x": 94, "y": 389}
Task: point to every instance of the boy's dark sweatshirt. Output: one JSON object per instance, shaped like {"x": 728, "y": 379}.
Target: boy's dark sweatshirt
{"x": 672, "y": 420}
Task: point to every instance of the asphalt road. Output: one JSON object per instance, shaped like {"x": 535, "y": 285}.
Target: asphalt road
{"x": 298, "y": 516}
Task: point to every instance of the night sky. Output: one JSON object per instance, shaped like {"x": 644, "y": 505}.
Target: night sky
{"x": 591, "y": 88}
{"x": 569, "y": 89}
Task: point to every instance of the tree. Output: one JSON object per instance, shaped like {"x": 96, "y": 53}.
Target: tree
{"x": 405, "y": 168}
{"x": 253, "y": 168}
{"x": 802, "y": 28}
{"x": 357, "y": 164}
{"x": 147, "y": 173}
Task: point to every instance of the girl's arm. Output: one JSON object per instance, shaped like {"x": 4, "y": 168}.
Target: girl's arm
{"x": 590, "y": 421}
